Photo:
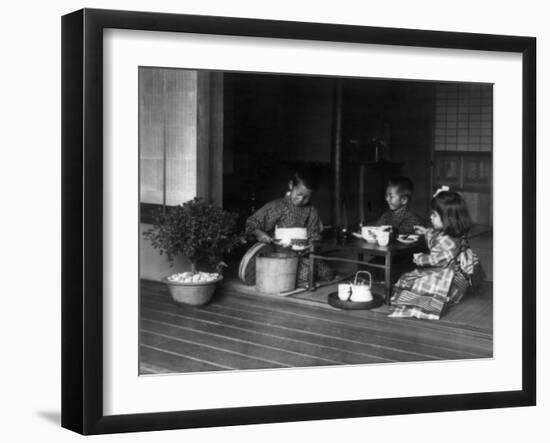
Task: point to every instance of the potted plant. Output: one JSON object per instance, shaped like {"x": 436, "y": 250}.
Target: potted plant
{"x": 203, "y": 233}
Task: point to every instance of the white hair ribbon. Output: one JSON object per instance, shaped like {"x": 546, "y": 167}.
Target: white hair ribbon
{"x": 441, "y": 189}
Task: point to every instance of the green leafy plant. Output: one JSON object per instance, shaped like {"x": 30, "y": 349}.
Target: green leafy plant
{"x": 198, "y": 230}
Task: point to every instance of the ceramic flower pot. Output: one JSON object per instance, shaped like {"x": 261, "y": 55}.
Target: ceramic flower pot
{"x": 195, "y": 294}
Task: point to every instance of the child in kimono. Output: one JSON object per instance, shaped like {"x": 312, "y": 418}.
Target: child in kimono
{"x": 294, "y": 210}
{"x": 398, "y": 196}
{"x": 444, "y": 274}
{"x": 399, "y": 192}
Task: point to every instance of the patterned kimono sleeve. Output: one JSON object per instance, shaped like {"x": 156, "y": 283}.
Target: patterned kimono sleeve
{"x": 264, "y": 219}
{"x": 441, "y": 252}
{"x": 385, "y": 219}
{"x": 409, "y": 222}
{"x": 314, "y": 225}
{"x": 429, "y": 235}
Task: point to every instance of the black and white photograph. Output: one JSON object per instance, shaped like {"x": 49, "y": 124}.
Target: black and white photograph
{"x": 301, "y": 221}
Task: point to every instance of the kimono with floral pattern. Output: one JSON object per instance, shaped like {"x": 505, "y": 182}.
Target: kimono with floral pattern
{"x": 283, "y": 214}
{"x": 442, "y": 279}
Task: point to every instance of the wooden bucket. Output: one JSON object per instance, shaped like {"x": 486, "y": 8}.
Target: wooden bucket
{"x": 276, "y": 272}
{"x": 247, "y": 267}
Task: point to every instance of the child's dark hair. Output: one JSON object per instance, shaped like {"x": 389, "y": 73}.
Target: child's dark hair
{"x": 307, "y": 177}
{"x": 404, "y": 186}
{"x": 454, "y": 213}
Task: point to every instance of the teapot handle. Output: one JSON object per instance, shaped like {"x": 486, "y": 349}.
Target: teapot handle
{"x": 363, "y": 272}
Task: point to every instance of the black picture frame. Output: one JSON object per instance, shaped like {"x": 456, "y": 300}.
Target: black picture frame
{"x": 82, "y": 259}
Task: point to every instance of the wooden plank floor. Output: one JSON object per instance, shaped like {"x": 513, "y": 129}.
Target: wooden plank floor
{"x": 243, "y": 331}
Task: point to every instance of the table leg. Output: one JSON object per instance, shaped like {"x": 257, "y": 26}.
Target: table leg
{"x": 387, "y": 272}
{"x": 311, "y": 272}
{"x": 361, "y": 258}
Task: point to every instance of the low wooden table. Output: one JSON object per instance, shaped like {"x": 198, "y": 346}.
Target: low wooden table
{"x": 362, "y": 248}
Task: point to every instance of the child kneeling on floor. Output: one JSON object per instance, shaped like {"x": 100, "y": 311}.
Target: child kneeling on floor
{"x": 445, "y": 273}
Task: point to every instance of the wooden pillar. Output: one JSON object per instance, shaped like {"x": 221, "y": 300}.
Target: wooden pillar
{"x": 210, "y": 136}
{"x": 336, "y": 156}
{"x": 216, "y": 139}
{"x": 362, "y": 193}
{"x": 203, "y": 135}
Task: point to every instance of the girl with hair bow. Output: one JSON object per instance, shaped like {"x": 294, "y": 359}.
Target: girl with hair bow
{"x": 445, "y": 273}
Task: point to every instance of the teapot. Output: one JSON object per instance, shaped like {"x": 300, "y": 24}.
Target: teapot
{"x": 358, "y": 291}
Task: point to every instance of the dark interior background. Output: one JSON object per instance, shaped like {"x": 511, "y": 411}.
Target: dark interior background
{"x": 273, "y": 121}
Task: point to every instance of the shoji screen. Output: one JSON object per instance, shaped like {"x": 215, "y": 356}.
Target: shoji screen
{"x": 463, "y": 144}
{"x": 464, "y": 118}
{"x": 167, "y": 135}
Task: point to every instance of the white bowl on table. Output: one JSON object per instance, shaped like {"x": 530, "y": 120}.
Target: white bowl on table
{"x": 369, "y": 233}
{"x": 288, "y": 236}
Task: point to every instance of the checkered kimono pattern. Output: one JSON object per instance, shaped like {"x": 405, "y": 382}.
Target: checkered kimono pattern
{"x": 441, "y": 281}
{"x": 403, "y": 220}
{"x": 284, "y": 214}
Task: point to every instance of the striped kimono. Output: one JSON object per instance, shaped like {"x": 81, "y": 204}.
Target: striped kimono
{"x": 442, "y": 280}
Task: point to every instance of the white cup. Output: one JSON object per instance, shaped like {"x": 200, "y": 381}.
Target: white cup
{"x": 344, "y": 291}
{"x": 383, "y": 238}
